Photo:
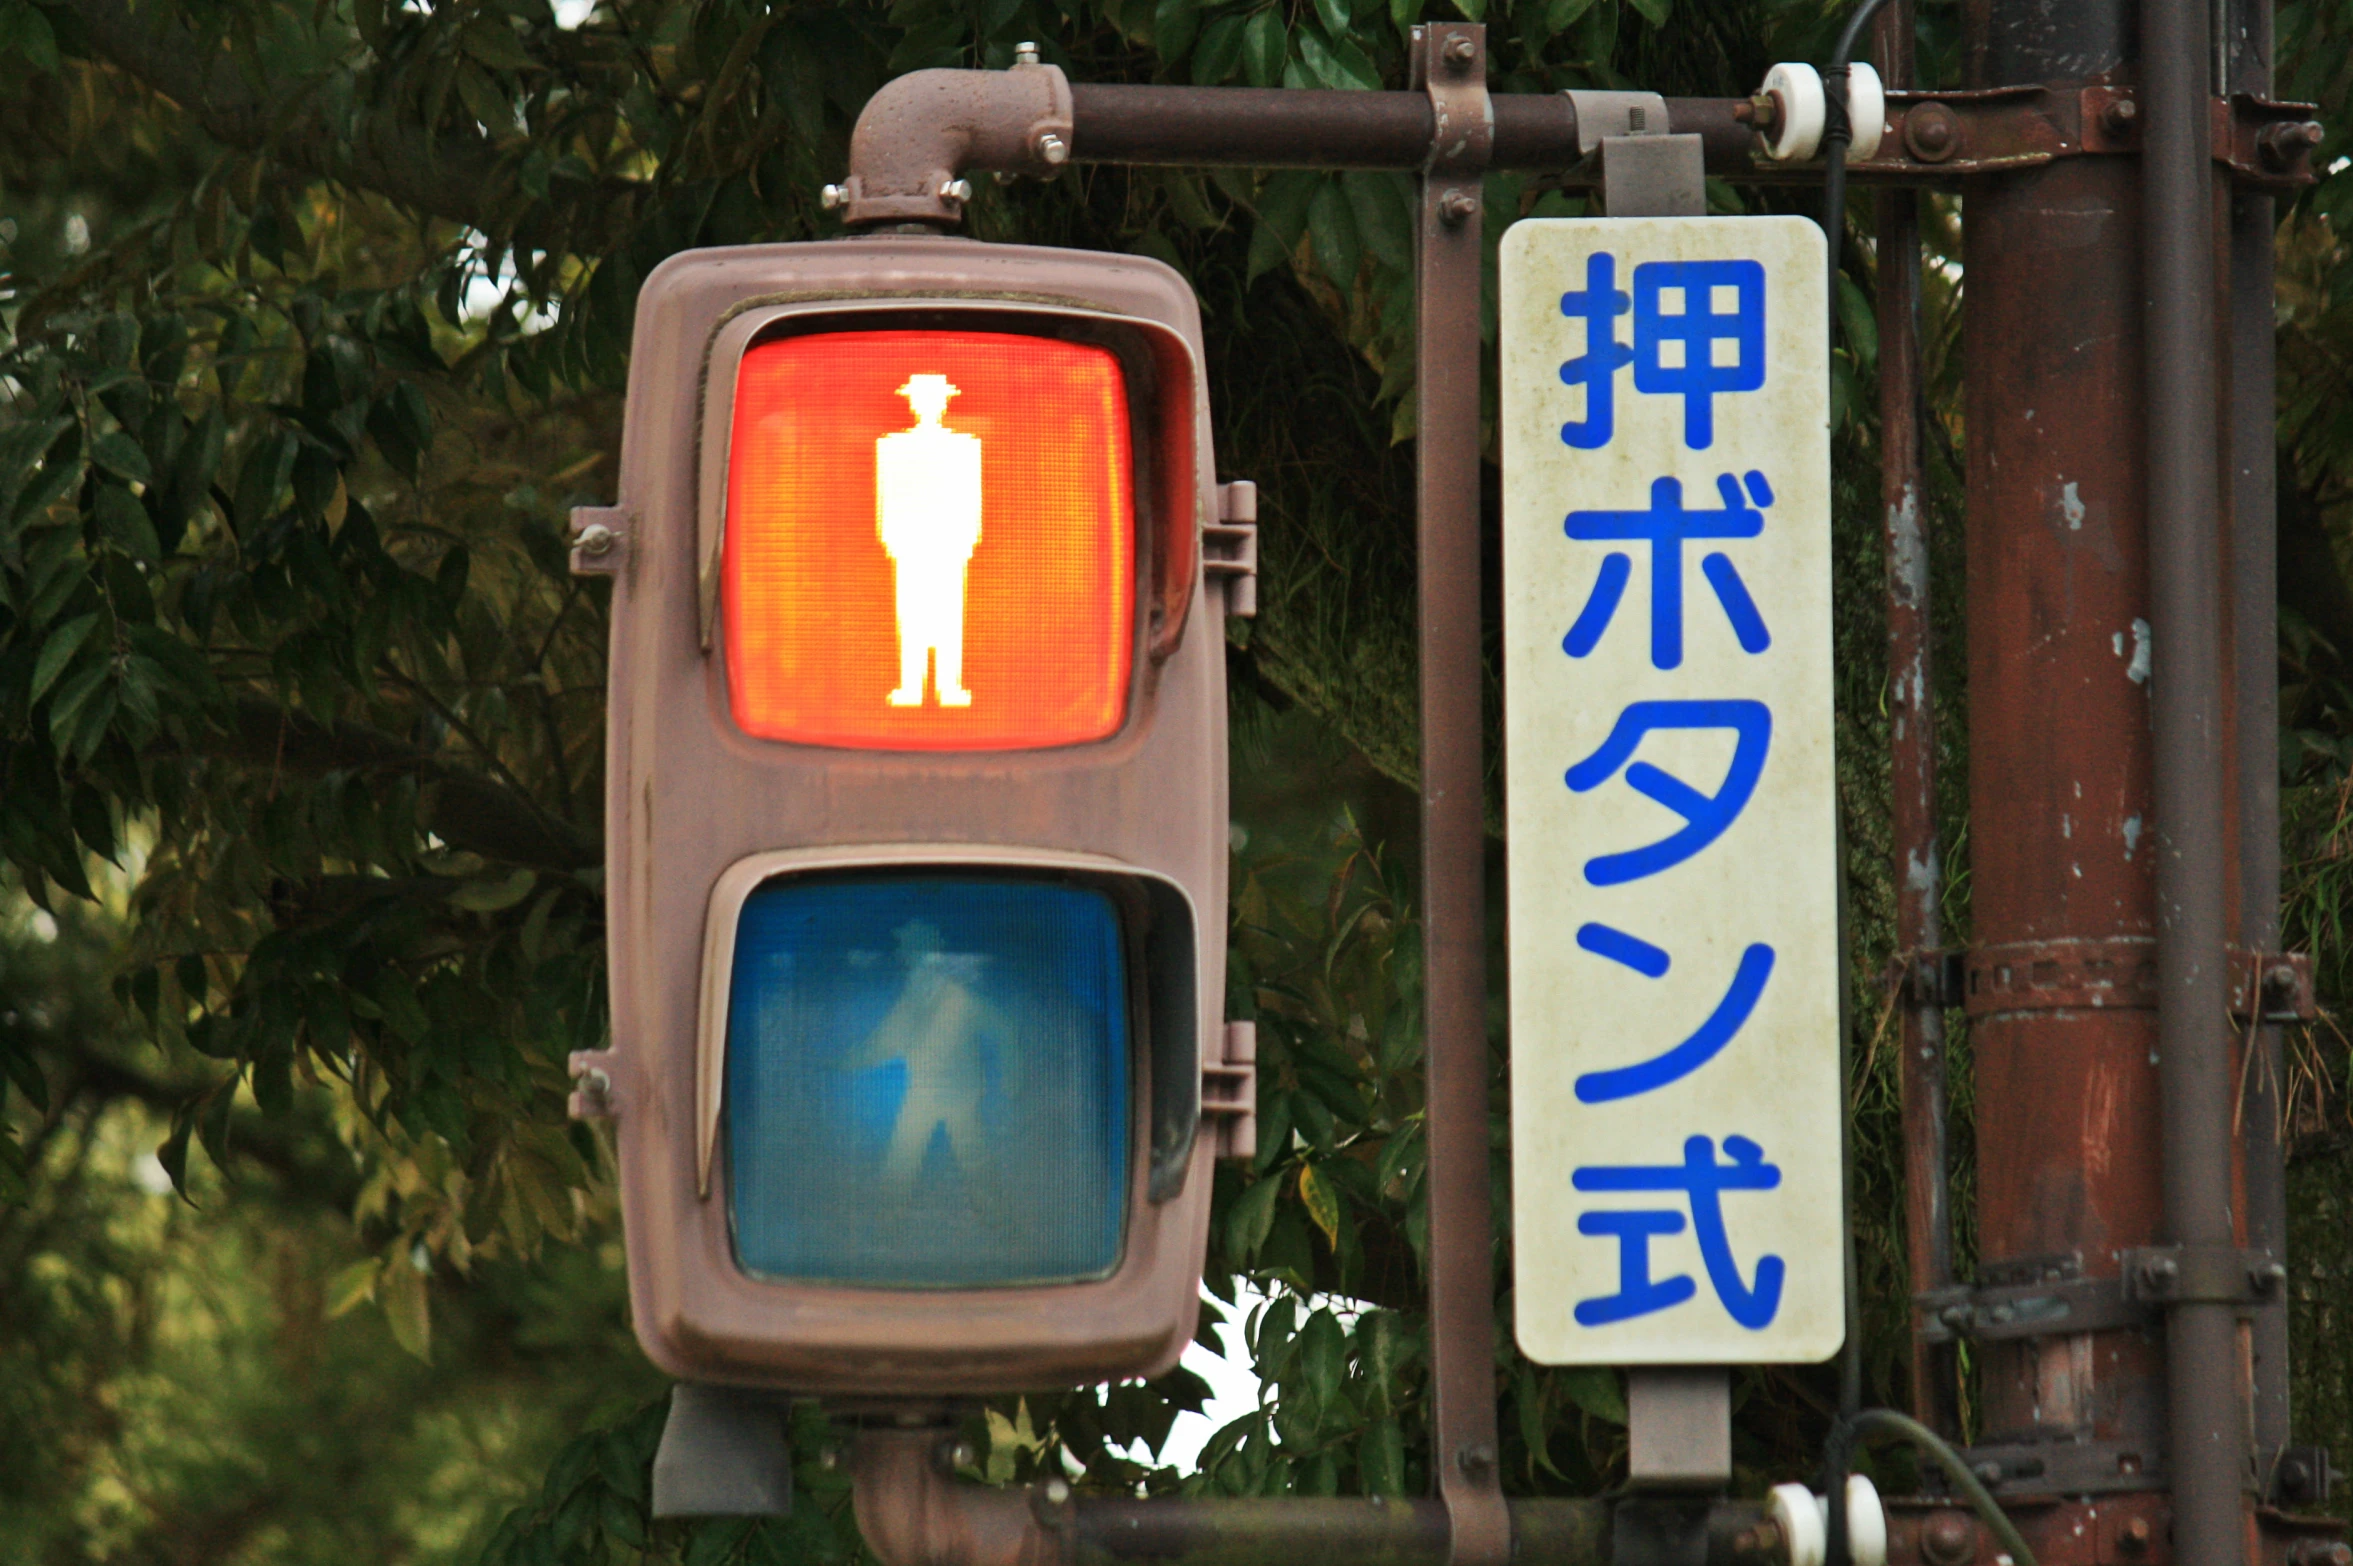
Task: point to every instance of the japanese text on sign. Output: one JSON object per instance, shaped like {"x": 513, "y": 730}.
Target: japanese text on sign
{"x": 1668, "y": 739}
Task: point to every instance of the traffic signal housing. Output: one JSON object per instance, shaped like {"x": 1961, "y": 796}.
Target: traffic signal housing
{"x": 916, "y": 817}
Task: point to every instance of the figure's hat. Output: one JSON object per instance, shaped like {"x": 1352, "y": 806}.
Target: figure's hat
{"x": 928, "y": 395}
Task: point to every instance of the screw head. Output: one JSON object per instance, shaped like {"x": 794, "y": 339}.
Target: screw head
{"x": 833, "y": 197}
{"x": 1053, "y": 149}
{"x": 956, "y": 190}
{"x": 1057, "y": 1491}
{"x": 1459, "y": 51}
{"x": 595, "y": 540}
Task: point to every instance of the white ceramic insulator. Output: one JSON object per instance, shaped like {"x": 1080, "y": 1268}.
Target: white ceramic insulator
{"x": 1804, "y": 1519}
{"x": 1866, "y": 114}
{"x": 1797, "y": 1511}
{"x": 1866, "y": 1519}
{"x": 1797, "y": 134}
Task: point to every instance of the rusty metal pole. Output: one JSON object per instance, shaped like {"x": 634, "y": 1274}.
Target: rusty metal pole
{"x": 1450, "y": 64}
{"x": 2060, "y": 978}
{"x": 2205, "y": 1403}
{"x": 1911, "y": 694}
{"x": 2255, "y": 657}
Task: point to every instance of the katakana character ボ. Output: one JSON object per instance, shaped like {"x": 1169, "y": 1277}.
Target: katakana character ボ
{"x": 1665, "y": 527}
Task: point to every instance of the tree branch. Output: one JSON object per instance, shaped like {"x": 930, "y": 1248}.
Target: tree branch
{"x": 463, "y": 178}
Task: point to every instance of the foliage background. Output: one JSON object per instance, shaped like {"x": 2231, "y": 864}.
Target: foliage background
{"x": 316, "y": 317}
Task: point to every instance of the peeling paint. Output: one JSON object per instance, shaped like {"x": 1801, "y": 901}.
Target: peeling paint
{"x": 2138, "y": 670}
{"x": 2071, "y": 506}
{"x": 2066, "y": 825}
{"x": 1920, "y": 874}
{"x": 2132, "y": 835}
{"x": 1909, "y": 575}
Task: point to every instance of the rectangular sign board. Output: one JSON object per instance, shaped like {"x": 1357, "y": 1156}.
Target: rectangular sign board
{"x": 1670, "y": 808}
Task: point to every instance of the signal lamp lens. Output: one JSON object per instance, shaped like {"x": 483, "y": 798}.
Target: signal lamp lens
{"x": 930, "y": 541}
{"x": 927, "y": 1082}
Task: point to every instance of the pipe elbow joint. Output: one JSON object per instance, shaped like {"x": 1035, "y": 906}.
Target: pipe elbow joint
{"x": 918, "y": 136}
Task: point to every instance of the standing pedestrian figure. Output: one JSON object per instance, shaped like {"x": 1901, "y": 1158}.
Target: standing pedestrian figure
{"x": 927, "y": 509}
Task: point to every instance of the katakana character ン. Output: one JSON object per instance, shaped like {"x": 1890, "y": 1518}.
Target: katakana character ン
{"x": 1666, "y": 526}
{"x": 1703, "y": 1182}
{"x": 1704, "y": 1044}
{"x": 1598, "y": 305}
{"x": 1679, "y": 330}
{"x": 1706, "y": 817}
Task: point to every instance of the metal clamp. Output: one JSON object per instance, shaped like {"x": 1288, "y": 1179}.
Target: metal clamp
{"x": 2165, "y": 1275}
{"x": 2034, "y": 1297}
{"x": 1449, "y": 62}
{"x": 2118, "y": 973}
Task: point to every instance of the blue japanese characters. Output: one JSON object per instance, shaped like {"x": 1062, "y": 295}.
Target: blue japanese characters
{"x": 1667, "y": 735}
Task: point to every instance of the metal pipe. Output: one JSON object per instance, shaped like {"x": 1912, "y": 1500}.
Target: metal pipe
{"x": 2207, "y": 1434}
{"x": 1450, "y": 64}
{"x": 1287, "y": 127}
{"x": 2255, "y": 658}
{"x": 1919, "y": 872}
{"x": 914, "y": 1512}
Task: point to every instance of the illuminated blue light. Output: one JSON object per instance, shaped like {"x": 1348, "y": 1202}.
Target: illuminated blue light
{"x": 927, "y": 1082}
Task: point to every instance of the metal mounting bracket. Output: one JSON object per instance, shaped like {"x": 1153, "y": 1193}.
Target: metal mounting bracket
{"x": 1229, "y": 1093}
{"x": 600, "y": 538}
{"x": 1231, "y": 552}
{"x": 2168, "y": 1275}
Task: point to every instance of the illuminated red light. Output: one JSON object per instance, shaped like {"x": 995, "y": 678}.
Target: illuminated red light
{"x": 930, "y": 542}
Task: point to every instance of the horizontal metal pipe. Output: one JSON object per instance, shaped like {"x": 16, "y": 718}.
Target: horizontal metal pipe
{"x": 912, "y": 1512}
{"x": 1285, "y": 127}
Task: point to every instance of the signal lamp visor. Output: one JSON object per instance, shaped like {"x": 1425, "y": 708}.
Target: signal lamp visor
{"x": 930, "y": 541}
{"x": 927, "y": 1082}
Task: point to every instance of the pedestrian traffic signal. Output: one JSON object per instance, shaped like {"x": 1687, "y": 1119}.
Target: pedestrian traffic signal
{"x": 916, "y": 817}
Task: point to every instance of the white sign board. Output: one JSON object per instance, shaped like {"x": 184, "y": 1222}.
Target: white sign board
{"x": 1667, "y": 733}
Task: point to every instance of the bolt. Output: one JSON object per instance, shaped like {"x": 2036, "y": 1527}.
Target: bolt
{"x": 1053, "y": 149}
{"x": 1459, "y": 52}
{"x": 1949, "y": 1539}
{"x": 2280, "y": 979}
{"x": 1988, "y": 1472}
{"x": 2264, "y": 1277}
{"x": 833, "y": 196}
{"x": 955, "y": 1452}
{"x": 1763, "y": 1539}
{"x": 1762, "y": 111}
{"x": 1475, "y": 1458}
{"x": 1057, "y": 1491}
{"x": 2285, "y": 144}
{"x": 956, "y": 190}
{"x": 1956, "y": 1317}
{"x": 830, "y": 1459}
{"x": 595, "y": 540}
{"x": 2001, "y": 1314}
{"x": 2120, "y": 115}
{"x": 2135, "y": 1537}
{"x": 1457, "y": 207}
{"x": 2156, "y": 1272}
{"x": 1932, "y": 133}
{"x": 2321, "y": 1552}
{"x": 1025, "y": 53}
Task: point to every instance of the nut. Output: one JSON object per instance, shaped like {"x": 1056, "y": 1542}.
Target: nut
{"x": 956, "y": 190}
{"x": 2135, "y": 1537}
{"x": 1948, "y": 1539}
{"x": 2120, "y": 116}
{"x": 833, "y": 197}
{"x": 596, "y": 541}
{"x": 1457, "y": 207}
{"x": 1025, "y": 53}
{"x": 2285, "y": 144}
{"x": 1053, "y": 149}
{"x": 1460, "y": 51}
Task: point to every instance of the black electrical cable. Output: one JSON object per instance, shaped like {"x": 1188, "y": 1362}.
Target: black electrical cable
{"x": 1838, "y": 130}
{"x": 1887, "y": 1423}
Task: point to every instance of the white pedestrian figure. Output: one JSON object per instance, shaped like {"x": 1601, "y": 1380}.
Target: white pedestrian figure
{"x": 927, "y": 509}
{"x": 938, "y": 1027}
